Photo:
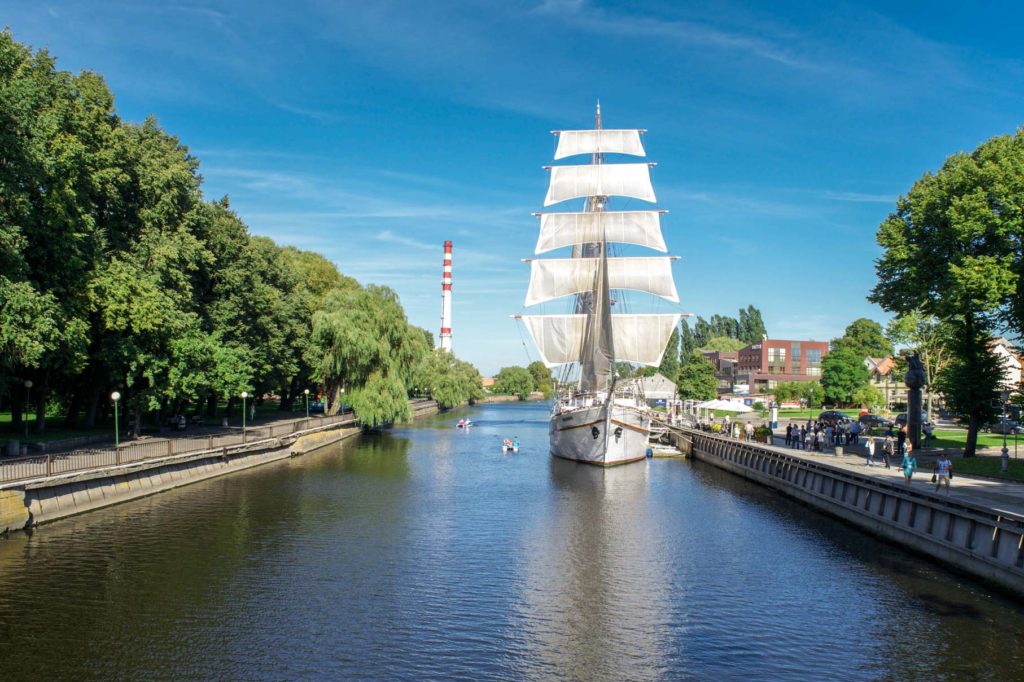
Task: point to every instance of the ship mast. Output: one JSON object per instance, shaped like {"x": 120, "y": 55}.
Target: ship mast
{"x": 597, "y": 360}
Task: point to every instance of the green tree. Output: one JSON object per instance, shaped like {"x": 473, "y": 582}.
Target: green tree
{"x": 868, "y": 396}
{"x": 669, "y": 366}
{"x": 687, "y": 342}
{"x": 697, "y": 378}
{"x": 513, "y": 380}
{"x": 865, "y": 338}
{"x": 930, "y": 339}
{"x": 952, "y": 250}
{"x": 723, "y": 343}
{"x": 752, "y": 329}
{"x": 367, "y": 346}
{"x": 842, "y": 374}
{"x": 542, "y": 380}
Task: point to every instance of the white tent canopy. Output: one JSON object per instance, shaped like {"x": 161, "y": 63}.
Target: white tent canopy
{"x": 725, "y": 406}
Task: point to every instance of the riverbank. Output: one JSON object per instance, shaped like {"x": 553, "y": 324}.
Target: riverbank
{"x": 978, "y": 529}
{"x": 47, "y": 497}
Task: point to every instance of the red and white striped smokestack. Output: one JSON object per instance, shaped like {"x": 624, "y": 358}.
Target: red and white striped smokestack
{"x": 446, "y": 299}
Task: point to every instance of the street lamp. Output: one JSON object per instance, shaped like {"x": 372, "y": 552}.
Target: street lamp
{"x": 342, "y": 411}
{"x": 306, "y": 392}
{"x": 244, "y": 396}
{"x": 28, "y": 388}
{"x": 115, "y": 396}
{"x": 1005, "y": 458}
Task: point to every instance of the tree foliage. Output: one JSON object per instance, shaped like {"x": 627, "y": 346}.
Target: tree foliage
{"x": 865, "y": 338}
{"x": 116, "y": 273}
{"x": 513, "y": 380}
{"x": 542, "y": 379}
{"x": 842, "y": 374}
{"x": 696, "y": 380}
{"x": 952, "y": 250}
{"x": 669, "y": 366}
{"x": 723, "y": 343}
{"x": 448, "y": 380}
{"x": 748, "y": 328}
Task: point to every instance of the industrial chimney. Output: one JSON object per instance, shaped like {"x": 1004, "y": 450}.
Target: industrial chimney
{"x": 446, "y": 299}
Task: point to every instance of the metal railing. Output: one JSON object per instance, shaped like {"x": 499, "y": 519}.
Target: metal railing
{"x": 83, "y": 459}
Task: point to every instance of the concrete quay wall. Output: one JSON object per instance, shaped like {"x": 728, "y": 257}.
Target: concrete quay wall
{"x": 981, "y": 541}
{"x": 28, "y": 503}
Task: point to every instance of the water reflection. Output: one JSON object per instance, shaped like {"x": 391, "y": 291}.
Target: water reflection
{"x": 425, "y": 553}
{"x": 594, "y": 597}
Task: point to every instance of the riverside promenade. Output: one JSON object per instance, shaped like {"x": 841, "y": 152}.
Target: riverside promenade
{"x": 999, "y": 495}
{"x": 978, "y": 528}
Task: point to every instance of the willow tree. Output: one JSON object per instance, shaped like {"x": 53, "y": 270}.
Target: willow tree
{"x": 952, "y": 250}
{"x": 367, "y": 347}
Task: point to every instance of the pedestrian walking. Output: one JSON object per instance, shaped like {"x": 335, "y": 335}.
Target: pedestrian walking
{"x": 909, "y": 465}
{"x": 887, "y": 451}
{"x": 945, "y": 472}
{"x": 749, "y": 432}
{"x": 789, "y": 435}
{"x": 870, "y": 445}
{"x": 901, "y": 439}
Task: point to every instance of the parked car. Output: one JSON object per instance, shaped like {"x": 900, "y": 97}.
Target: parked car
{"x": 832, "y": 416}
{"x": 875, "y": 421}
{"x": 901, "y": 418}
{"x": 1003, "y": 426}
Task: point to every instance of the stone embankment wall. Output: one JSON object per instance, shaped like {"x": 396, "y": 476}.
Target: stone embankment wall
{"x": 973, "y": 538}
{"x": 28, "y": 503}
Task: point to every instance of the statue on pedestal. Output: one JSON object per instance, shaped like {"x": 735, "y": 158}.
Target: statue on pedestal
{"x": 915, "y": 379}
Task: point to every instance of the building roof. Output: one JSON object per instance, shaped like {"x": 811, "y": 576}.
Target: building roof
{"x": 881, "y": 365}
{"x": 657, "y": 387}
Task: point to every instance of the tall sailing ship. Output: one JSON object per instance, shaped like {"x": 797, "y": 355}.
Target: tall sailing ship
{"x": 597, "y": 418}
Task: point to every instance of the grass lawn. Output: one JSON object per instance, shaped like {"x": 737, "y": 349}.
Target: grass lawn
{"x": 989, "y": 466}
{"x": 955, "y": 438}
{"x": 810, "y": 413}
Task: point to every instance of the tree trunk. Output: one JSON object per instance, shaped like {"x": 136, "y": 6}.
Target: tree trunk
{"x": 92, "y": 408}
{"x": 41, "y": 396}
{"x": 230, "y": 407}
{"x": 74, "y": 407}
{"x": 971, "y": 356}
{"x": 17, "y": 407}
{"x": 211, "y": 405}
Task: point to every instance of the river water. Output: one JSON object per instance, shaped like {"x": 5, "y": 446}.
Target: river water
{"x": 426, "y": 553}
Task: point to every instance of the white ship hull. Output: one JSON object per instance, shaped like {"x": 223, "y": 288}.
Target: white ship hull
{"x": 591, "y": 435}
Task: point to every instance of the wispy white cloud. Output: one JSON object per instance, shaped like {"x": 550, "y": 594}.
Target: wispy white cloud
{"x": 861, "y": 197}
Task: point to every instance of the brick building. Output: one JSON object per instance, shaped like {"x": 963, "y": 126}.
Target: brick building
{"x": 725, "y": 367}
{"x": 763, "y": 365}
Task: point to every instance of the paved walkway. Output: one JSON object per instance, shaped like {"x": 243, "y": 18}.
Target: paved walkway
{"x": 1001, "y": 496}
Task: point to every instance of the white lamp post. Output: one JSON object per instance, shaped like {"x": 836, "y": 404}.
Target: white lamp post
{"x": 115, "y": 396}
{"x": 306, "y": 393}
{"x": 244, "y": 396}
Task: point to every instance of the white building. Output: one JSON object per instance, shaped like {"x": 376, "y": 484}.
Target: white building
{"x": 1011, "y": 363}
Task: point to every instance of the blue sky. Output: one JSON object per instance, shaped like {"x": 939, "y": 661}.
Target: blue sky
{"x": 373, "y": 131}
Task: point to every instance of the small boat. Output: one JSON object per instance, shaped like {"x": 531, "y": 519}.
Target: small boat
{"x": 509, "y": 446}
{"x": 464, "y": 424}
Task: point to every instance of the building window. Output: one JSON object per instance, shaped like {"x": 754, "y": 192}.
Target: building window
{"x": 794, "y": 354}
{"x": 814, "y": 361}
{"x": 776, "y": 360}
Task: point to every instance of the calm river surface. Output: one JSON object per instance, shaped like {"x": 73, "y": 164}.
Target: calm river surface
{"x": 426, "y": 553}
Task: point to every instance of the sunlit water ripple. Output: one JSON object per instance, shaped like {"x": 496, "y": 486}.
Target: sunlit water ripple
{"x": 427, "y": 553}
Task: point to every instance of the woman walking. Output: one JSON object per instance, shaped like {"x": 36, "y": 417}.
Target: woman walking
{"x": 870, "y": 445}
{"x": 909, "y": 463}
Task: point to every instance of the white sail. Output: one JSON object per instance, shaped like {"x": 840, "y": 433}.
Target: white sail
{"x": 638, "y": 338}
{"x": 574, "y": 142}
{"x": 626, "y": 227}
{"x": 621, "y": 180}
{"x": 557, "y": 277}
